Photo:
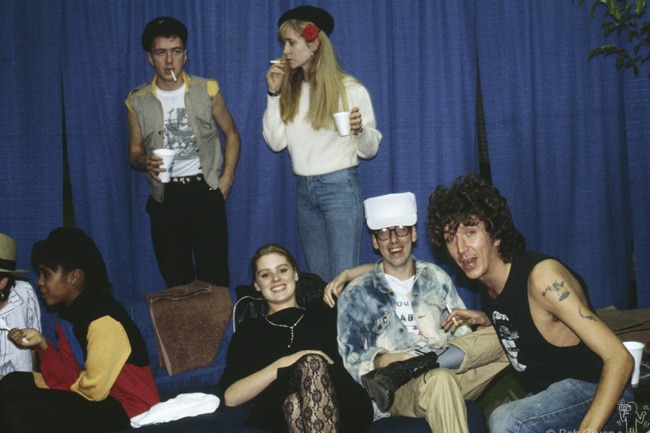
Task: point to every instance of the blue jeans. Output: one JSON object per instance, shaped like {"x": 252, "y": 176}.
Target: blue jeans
{"x": 330, "y": 221}
{"x": 561, "y": 407}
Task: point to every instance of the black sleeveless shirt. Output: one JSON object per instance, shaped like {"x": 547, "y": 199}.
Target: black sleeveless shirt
{"x": 540, "y": 362}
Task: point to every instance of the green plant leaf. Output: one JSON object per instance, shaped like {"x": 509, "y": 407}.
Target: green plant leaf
{"x": 640, "y": 7}
{"x": 620, "y": 61}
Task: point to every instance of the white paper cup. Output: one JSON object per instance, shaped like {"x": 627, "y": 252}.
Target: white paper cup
{"x": 167, "y": 156}
{"x": 342, "y": 120}
{"x": 636, "y": 349}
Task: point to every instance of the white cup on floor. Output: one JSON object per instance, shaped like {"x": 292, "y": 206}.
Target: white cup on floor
{"x": 636, "y": 349}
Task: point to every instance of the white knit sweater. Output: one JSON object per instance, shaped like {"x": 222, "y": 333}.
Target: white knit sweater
{"x": 314, "y": 152}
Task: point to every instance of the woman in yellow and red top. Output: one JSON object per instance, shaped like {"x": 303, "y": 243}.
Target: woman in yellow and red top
{"x": 99, "y": 375}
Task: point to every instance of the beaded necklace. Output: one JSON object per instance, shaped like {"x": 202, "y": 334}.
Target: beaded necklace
{"x": 290, "y": 327}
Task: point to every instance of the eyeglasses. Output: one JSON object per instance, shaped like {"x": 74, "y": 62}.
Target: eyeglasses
{"x": 384, "y": 234}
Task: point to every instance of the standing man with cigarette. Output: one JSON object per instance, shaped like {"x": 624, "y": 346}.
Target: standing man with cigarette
{"x": 184, "y": 113}
{"x": 389, "y": 332}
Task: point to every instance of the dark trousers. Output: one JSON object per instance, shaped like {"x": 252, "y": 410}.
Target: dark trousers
{"x": 189, "y": 233}
{"x": 25, "y": 408}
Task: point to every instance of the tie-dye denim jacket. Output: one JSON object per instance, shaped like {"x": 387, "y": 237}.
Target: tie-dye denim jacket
{"x": 368, "y": 324}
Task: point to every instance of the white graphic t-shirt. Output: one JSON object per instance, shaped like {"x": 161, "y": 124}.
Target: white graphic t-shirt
{"x": 402, "y": 290}
{"x": 178, "y": 133}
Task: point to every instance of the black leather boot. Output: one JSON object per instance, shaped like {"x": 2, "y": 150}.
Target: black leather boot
{"x": 382, "y": 383}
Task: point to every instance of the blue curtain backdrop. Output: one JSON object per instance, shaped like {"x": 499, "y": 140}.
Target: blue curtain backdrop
{"x": 567, "y": 137}
{"x": 31, "y": 141}
{"x": 556, "y": 127}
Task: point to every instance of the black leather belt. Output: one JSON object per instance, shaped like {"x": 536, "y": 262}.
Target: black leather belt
{"x": 187, "y": 179}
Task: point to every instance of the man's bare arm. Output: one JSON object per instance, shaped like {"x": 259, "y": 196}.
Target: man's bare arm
{"x": 554, "y": 290}
{"x": 232, "y": 143}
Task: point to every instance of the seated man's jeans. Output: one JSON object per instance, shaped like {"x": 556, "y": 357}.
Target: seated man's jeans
{"x": 561, "y": 407}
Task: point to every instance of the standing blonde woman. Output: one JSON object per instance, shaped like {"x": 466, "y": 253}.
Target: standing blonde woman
{"x": 305, "y": 87}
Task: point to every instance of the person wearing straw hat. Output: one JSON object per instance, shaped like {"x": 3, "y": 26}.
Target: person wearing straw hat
{"x": 18, "y": 309}
{"x": 97, "y": 376}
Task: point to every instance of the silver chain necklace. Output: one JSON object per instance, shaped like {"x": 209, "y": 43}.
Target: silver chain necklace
{"x": 290, "y": 327}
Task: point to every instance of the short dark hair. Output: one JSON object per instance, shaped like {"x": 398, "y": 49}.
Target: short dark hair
{"x": 11, "y": 282}
{"x": 163, "y": 26}
{"x": 70, "y": 248}
{"x": 11, "y": 278}
{"x": 469, "y": 200}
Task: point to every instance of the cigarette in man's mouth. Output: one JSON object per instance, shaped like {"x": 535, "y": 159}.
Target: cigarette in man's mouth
{"x": 453, "y": 318}
{"x": 173, "y": 75}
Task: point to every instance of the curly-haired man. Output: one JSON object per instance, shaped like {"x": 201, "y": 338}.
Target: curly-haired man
{"x": 574, "y": 365}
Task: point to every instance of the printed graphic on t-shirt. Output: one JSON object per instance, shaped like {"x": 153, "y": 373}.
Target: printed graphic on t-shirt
{"x": 508, "y": 338}
{"x": 178, "y": 133}
{"x": 403, "y": 307}
{"x": 405, "y": 312}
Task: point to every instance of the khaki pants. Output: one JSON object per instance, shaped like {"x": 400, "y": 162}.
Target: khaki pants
{"x": 484, "y": 359}
{"x": 439, "y": 394}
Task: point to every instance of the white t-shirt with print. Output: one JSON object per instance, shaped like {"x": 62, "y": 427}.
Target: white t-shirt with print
{"x": 178, "y": 132}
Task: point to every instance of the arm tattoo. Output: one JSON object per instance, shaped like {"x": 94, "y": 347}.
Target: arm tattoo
{"x": 559, "y": 288}
{"x": 589, "y": 317}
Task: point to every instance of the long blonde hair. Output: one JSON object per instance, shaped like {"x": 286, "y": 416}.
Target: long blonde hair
{"x": 326, "y": 86}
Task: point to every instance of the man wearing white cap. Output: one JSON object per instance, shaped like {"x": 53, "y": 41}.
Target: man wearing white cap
{"x": 389, "y": 332}
{"x": 18, "y": 309}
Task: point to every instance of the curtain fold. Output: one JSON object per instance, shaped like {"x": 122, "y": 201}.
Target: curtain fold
{"x": 557, "y": 138}
{"x": 637, "y": 128}
{"x": 31, "y": 143}
{"x": 567, "y": 137}
{"x": 232, "y": 42}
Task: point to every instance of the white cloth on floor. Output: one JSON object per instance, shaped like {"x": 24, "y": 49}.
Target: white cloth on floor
{"x": 181, "y": 406}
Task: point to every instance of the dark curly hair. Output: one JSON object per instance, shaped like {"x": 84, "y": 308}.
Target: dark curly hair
{"x": 469, "y": 200}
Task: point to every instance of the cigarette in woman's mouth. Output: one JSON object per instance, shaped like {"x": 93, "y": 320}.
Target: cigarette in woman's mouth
{"x": 173, "y": 75}
{"x": 275, "y": 62}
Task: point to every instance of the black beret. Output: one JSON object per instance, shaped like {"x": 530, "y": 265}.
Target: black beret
{"x": 320, "y": 17}
{"x": 163, "y": 26}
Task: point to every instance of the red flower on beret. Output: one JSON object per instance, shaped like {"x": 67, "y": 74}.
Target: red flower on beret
{"x": 310, "y": 32}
